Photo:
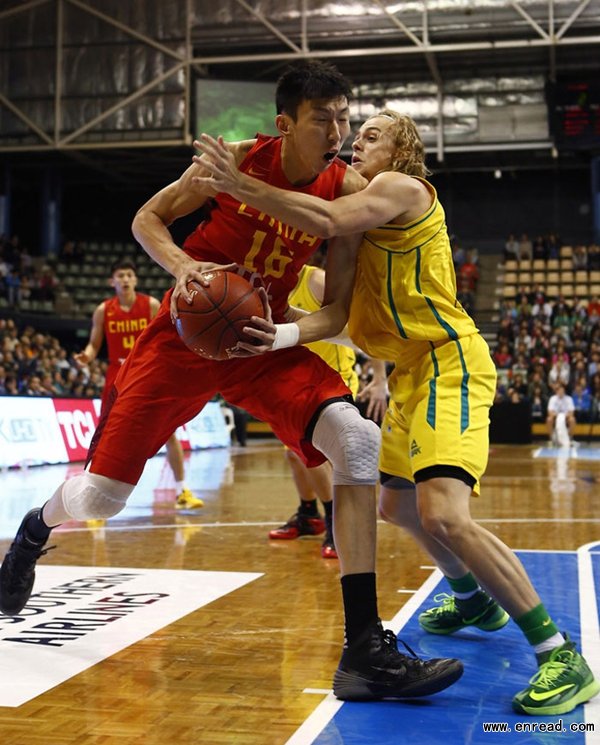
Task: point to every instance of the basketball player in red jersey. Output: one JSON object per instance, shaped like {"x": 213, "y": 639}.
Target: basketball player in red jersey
{"x": 162, "y": 384}
{"x": 120, "y": 320}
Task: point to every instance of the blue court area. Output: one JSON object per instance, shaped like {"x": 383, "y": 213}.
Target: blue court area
{"x": 496, "y": 666}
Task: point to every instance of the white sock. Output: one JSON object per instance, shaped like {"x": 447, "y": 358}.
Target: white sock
{"x": 548, "y": 644}
{"x": 180, "y": 486}
{"x": 465, "y": 595}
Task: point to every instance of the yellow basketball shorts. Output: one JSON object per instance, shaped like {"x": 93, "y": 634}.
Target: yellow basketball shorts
{"x": 439, "y": 411}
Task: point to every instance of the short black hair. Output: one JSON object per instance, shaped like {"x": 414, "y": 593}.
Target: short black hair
{"x": 309, "y": 80}
{"x": 123, "y": 263}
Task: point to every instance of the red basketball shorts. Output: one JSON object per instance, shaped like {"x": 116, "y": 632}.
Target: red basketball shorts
{"x": 111, "y": 375}
{"x": 162, "y": 385}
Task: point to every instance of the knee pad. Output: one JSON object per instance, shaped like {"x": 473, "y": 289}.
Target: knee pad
{"x": 349, "y": 442}
{"x": 89, "y": 496}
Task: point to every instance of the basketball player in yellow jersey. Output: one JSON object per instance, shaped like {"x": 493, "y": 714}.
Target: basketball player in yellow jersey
{"x": 125, "y": 305}
{"x": 313, "y": 483}
{"x": 435, "y": 434}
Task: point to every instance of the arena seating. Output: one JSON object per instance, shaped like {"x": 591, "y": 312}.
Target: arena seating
{"x": 555, "y": 276}
{"x": 85, "y": 280}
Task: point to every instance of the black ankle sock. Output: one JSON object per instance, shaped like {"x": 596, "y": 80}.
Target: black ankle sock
{"x": 328, "y": 506}
{"x": 308, "y": 507}
{"x": 472, "y": 605}
{"x": 360, "y": 603}
{"x": 36, "y": 528}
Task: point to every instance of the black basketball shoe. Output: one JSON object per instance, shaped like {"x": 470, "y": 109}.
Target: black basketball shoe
{"x": 17, "y": 572}
{"x": 373, "y": 668}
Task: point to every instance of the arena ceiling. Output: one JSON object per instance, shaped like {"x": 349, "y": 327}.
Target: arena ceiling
{"x": 108, "y": 86}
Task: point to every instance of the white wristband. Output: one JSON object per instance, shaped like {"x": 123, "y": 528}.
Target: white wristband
{"x": 286, "y": 335}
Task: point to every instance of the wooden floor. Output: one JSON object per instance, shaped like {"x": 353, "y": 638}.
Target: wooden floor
{"x": 235, "y": 670}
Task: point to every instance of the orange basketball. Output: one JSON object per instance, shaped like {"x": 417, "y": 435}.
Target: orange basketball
{"x": 214, "y": 322}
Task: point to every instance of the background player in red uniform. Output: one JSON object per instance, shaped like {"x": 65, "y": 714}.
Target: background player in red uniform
{"x": 162, "y": 384}
{"x": 120, "y": 320}
{"x": 316, "y": 483}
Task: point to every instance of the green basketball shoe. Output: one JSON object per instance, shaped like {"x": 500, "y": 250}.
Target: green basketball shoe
{"x": 562, "y": 682}
{"x": 448, "y": 618}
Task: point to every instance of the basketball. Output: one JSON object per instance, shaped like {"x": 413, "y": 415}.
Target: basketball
{"x": 214, "y": 322}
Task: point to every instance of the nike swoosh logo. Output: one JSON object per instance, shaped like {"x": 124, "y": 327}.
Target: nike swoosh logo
{"x": 253, "y": 172}
{"x": 548, "y": 694}
{"x": 388, "y": 670}
{"x": 547, "y": 622}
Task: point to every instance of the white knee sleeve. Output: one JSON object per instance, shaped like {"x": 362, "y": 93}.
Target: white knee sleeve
{"x": 349, "y": 442}
{"x": 89, "y": 496}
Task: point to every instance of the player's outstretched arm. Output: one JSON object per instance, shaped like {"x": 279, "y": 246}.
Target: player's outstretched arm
{"x": 325, "y": 323}
{"x": 375, "y": 393}
{"x": 151, "y": 223}
{"x": 331, "y": 319}
{"x": 387, "y": 196}
{"x": 92, "y": 348}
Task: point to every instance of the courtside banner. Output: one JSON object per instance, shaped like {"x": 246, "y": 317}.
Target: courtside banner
{"x": 79, "y": 616}
{"x": 78, "y": 419}
{"x": 38, "y": 431}
{"x": 29, "y": 432}
{"x": 207, "y": 430}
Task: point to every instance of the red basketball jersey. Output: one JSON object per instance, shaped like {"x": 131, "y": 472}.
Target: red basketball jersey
{"x": 264, "y": 246}
{"x": 122, "y": 327}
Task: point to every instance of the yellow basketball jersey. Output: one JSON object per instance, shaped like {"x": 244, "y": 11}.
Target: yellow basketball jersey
{"x": 340, "y": 358}
{"x": 405, "y": 291}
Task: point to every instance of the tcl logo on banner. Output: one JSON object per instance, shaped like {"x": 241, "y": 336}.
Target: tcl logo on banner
{"x": 78, "y": 419}
{"x": 34, "y": 431}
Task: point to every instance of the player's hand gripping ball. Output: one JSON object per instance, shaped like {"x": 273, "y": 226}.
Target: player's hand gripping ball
{"x": 214, "y": 322}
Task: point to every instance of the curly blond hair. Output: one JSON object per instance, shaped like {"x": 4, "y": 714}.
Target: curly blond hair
{"x": 410, "y": 151}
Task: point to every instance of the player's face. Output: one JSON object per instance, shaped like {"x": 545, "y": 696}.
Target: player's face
{"x": 124, "y": 281}
{"x": 315, "y": 137}
{"x": 373, "y": 148}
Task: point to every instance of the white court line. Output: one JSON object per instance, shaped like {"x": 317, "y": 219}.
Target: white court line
{"x": 318, "y": 691}
{"x": 412, "y": 604}
{"x": 568, "y": 520}
{"x": 312, "y": 727}
{"x": 168, "y": 526}
{"x": 590, "y": 631}
{"x": 171, "y": 526}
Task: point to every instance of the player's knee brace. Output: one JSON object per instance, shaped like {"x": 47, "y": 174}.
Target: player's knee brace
{"x": 349, "y": 442}
{"x": 89, "y": 496}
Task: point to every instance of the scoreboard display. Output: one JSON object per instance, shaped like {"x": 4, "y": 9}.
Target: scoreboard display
{"x": 574, "y": 111}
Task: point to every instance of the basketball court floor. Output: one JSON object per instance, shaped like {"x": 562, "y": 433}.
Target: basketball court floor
{"x": 177, "y": 627}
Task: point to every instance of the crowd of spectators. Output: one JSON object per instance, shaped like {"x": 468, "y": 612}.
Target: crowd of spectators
{"x": 466, "y": 266}
{"x": 35, "y": 364}
{"x": 543, "y": 342}
{"x": 23, "y": 277}
{"x": 542, "y": 247}
{"x": 586, "y": 258}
